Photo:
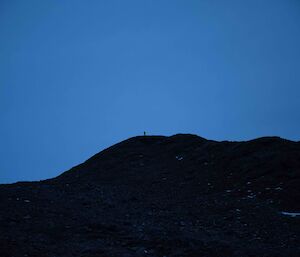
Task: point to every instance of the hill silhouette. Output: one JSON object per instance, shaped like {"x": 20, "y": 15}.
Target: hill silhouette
{"x": 162, "y": 196}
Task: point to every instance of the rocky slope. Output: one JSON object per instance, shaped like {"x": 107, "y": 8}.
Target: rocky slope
{"x": 162, "y": 196}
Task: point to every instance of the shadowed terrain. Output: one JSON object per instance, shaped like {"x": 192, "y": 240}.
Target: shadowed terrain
{"x": 161, "y": 196}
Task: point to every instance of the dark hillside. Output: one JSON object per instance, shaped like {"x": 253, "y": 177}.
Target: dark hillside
{"x": 162, "y": 196}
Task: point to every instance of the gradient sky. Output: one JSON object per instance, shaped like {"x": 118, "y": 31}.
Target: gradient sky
{"x": 79, "y": 76}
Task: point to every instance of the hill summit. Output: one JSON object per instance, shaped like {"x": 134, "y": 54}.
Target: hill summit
{"x": 162, "y": 196}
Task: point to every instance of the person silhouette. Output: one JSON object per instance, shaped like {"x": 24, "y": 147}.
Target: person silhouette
{"x": 144, "y": 133}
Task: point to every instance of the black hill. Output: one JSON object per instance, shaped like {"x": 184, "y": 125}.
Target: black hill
{"x": 162, "y": 196}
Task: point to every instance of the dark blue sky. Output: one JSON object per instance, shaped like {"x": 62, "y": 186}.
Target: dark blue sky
{"x": 79, "y": 76}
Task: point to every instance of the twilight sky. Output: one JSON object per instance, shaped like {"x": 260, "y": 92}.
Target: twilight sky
{"x": 79, "y": 76}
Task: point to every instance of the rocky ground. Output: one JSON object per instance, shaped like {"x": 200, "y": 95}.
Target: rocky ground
{"x": 161, "y": 196}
